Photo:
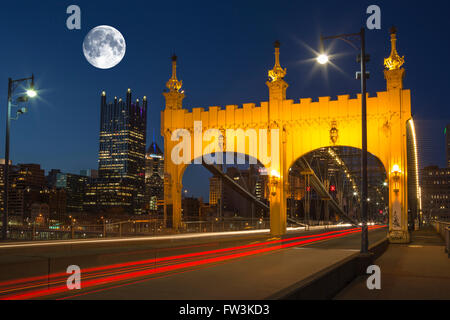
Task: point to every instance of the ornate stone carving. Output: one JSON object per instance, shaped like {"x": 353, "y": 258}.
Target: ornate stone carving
{"x": 334, "y": 132}
{"x": 277, "y": 72}
{"x": 394, "y": 61}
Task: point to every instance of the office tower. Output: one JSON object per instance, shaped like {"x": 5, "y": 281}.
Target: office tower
{"x": 75, "y": 187}
{"x": 57, "y": 202}
{"x": 436, "y": 192}
{"x": 27, "y": 187}
{"x": 121, "y": 182}
{"x": 51, "y": 178}
{"x": 215, "y": 190}
{"x": 154, "y": 178}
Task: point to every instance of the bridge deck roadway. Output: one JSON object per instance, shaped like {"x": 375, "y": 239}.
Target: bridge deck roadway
{"x": 255, "y": 276}
{"x": 418, "y": 270}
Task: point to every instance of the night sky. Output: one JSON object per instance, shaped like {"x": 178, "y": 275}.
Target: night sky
{"x": 225, "y": 49}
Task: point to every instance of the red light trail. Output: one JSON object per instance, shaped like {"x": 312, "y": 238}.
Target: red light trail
{"x": 95, "y": 276}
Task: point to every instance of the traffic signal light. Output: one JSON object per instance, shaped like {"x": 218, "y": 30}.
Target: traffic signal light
{"x": 332, "y": 188}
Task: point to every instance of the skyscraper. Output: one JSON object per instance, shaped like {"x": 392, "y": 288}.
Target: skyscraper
{"x": 75, "y": 187}
{"x": 154, "y": 177}
{"x": 121, "y": 166}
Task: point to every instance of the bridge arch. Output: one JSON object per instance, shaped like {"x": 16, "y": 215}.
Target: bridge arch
{"x": 326, "y": 182}
{"x": 235, "y": 190}
{"x": 296, "y": 128}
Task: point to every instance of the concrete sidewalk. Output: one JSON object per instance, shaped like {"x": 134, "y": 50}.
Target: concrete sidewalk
{"x": 419, "y": 270}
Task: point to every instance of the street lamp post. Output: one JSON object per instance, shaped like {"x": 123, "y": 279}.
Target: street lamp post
{"x": 322, "y": 59}
{"x": 30, "y": 93}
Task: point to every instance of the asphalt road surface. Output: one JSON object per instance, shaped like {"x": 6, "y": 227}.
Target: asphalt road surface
{"x": 243, "y": 266}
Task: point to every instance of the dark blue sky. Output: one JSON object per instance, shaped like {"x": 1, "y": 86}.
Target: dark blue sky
{"x": 224, "y": 48}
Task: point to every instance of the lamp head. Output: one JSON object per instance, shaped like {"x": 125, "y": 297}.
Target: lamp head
{"x": 275, "y": 174}
{"x": 322, "y": 58}
{"x": 31, "y": 92}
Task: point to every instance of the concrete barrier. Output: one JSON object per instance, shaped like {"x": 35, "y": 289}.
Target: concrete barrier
{"x": 328, "y": 282}
{"x": 443, "y": 228}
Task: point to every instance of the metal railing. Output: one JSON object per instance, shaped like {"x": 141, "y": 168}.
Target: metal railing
{"x": 443, "y": 228}
{"x": 224, "y": 225}
{"x": 129, "y": 228}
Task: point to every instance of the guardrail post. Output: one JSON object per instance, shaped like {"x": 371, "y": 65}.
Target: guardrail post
{"x": 447, "y": 241}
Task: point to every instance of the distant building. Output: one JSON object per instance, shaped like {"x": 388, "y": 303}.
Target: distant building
{"x": 191, "y": 209}
{"x": 92, "y": 173}
{"x": 27, "y": 186}
{"x": 447, "y": 144}
{"x": 2, "y": 183}
{"x": 436, "y": 192}
{"x": 51, "y": 177}
{"x": 57, "y": 203}
{"x": 40, "y": 213}
{"x": 90, "y": 201}
{"x": 121, "y": 171}
{"x": 75, "y": 188}
{"x": 230, "y": 203}
{"x": 154, "y": 178}
{"x": 215, "y": 190}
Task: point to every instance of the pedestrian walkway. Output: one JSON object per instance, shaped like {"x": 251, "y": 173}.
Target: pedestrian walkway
{"x": 418, "y": 270}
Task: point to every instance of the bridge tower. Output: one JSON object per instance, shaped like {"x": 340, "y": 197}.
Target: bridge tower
{"x": 279, "y": 180}
{"x": 172, "y": 173}
{"x": 397, "y": 159}
{"x": 294, "y": 129}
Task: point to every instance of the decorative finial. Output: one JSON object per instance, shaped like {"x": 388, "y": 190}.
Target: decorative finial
{"x": 394, "y": 61}
{"x": 277, "y": 72}
{"x": 173, "y": 84}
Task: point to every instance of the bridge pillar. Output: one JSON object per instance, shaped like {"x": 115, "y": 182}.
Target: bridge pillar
{"x": 397, "y": 159}
{"x": 278, "y": 182}
{"x": 279, "y": 176}
{"x": 172, "y": 171}
{"x": 278, "y": 203}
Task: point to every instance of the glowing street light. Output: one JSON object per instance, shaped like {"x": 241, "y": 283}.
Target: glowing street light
{"x": 363, "y": 76}
{"x": 322, "y": 58}
{"x": 30, "y": 93}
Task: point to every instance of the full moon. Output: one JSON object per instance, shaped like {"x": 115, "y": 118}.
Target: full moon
{"x": 104, "y": 47}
